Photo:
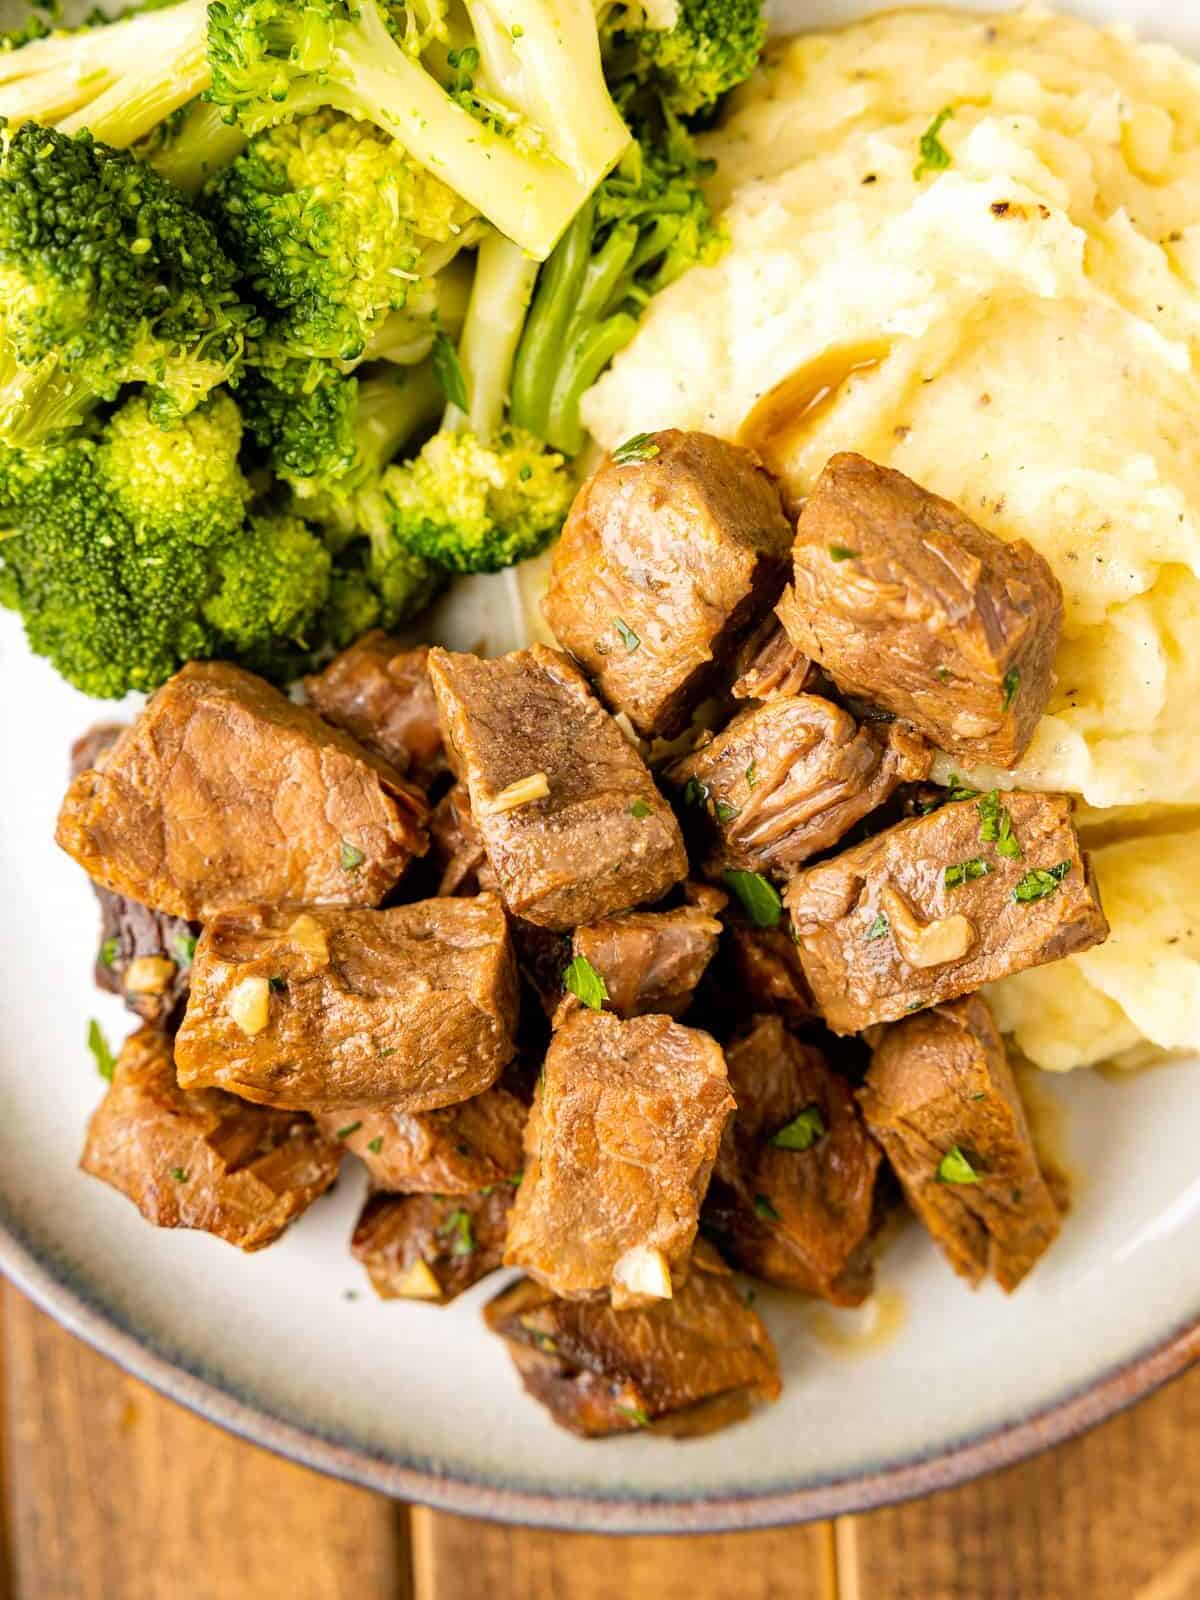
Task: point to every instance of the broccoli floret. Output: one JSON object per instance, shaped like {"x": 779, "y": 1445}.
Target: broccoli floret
{"x": 302, "y": 417}
{"x": 645, "y": 225}
{"x": 117, "y": 79}
{"x": 130, "y": 553}
{"x": 333, "y": 225}
{"x": 516, "y": 117}
{"x": 710, "y": 47}
{"x": 477, "y": 507}
{"x": 108, "y": 277}
{"x": 192, "y": 145}
{"x": 271, "y": 583}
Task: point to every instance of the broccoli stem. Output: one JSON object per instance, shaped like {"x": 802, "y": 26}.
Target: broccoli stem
{"x": 540, "y": 351}
{"x": 588, "y": 359}
{"x": 202, "y": 144}
{"x": 527, "y": 194}
{"x": 500, "y": 294}
{"x": 392, "y": 408}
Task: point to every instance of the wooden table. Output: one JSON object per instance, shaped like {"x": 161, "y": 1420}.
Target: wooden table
{"x": 114, "y": 1494}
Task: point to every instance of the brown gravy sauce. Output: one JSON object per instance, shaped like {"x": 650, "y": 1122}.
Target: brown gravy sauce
{"x": 861, "y": 1332}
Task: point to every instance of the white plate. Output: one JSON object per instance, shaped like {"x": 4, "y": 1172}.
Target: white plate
{"x": 422, "y": 1401}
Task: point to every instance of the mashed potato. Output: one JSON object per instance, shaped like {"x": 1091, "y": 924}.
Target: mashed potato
{"x": 1014, "y": 329}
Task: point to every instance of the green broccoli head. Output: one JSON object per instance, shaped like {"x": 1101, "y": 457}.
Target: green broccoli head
{"x": 130, "y": 553}
{"x": 475, "y": 507}
{"x": 272, "y": 580}
{"x": 183, "y": 481}
{"x": 301, "y": 415}
{"x": 711, "y": 47}
{"x": 331, "y": 221}
{"x": 107, "y": 277}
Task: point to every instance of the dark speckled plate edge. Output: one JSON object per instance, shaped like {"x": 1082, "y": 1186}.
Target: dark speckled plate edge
{"x": 53, "y": 1286}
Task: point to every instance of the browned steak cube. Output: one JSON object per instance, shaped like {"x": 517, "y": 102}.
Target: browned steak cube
{"x": 381, "y": 694}
{"x": 456, "y": 847}
{"x": 223, "y": 793}
{"x": 935, "y": 907}
{"x": 663, "y": 563}
{"x": 455, "y": 1150}
{"x": 648, "y": 961}
{"x": 329, "y": 1009}
{"x": 685, "y": 1366}
{"x": 768, "y": 664}
{"x": 941, "y": 1100}
{"x": 619, "y": 1148}
{"x": 572, "y": 823}
{"x": 764, "y": 972}
{"x": 792, "y": 1198}
{"x": 785, "y": 780}
{"x": 200, "y": 1158}
{"x": 909, "y": 604}
{"x": 431, "y": 1247}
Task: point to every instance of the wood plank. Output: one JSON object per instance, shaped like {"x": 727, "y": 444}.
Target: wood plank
{"x": 456, "y": 1558}
{"x": 1112, "y": 1516}
{"x": 116, "y": 1494}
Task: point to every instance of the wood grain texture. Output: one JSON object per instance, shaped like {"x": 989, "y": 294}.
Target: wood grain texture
{"x": 1112, "y": 1516}
{"x": 116, "y": 1494}
{"x": 455, "y": 1558}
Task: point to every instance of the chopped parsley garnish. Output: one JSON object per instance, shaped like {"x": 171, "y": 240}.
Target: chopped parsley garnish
{"x": 752, "y": 775}
{"x": 640, "y": 448}
{"x": 915, "y": 1005}
{"x": 995, "y": 825}
{"x": 764, "y": 1209}
{"x": 449, "y": 373}
{"x": 802, "y": 1132}
{"x": 351, "y": 1127}
{"x": 934, "y": 155}
{"x": 981, "y": 1095}
{"x": 942, "y": 674}
{"x": 955, "y": 1168}
{"x": 108, "y": 952}
{"x": 725, "y": 812}
{"x": 352, "y": 857}
{"x": 759, "y": 899}
{"x": 458, "y": 1225}
{"x": 635, "y": 1415}
{"x": 1040, "y": 882}
{"x": 543, "y": 1341}
{"x": 585, "y": 983}
{"x": 879, "y": 928}
{"x": 184, "y": 946}
{"x": 842, "y": 552}
{"x": 958, "y": 789}
{"x": 628, "y": 638}
{"x": 639, "y": 809}
{"x": 276, "y": 984}
{"x": 375, "y": 1145}
{"x": 966, "y": 872}
{"x": 695, "y": 793}
{"x": 106, "y": 1062}
{"x": 1012, "y": 682}
{"x": 384, "y": 1054}
{"x": 180, "y": 1174}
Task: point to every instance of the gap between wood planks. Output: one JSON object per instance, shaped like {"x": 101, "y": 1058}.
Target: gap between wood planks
{"x": 112, "y": 1493}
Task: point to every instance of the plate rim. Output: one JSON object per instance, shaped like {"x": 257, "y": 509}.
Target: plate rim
{"x": 1004, "y": 1444}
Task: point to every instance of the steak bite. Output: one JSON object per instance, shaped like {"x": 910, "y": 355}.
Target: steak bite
{"x": 792, "y": 1198}
{"x": 785, "y": 780}
{"x": 942, "y": 904}
{"x": 941, "y": 1100}
{"x": 223, "y": 793}
{"x": 455, "y": 1150}
{"x": 665, "y": 560}
{"x": 907, "y": 603}
{"x": 619, "y": 1147}
{"x": 648, "y": 961}
{"x": 200, "y": 1158}
{"x": 381, "y": 694}
{"x": 431, "y": 1247}
{"x": 572, "y": 823}
{"x": 761, "y": 967}
{"x": 767, "y": 663}
{"x": 685, "y": 1366}
{"x": 456, "y": 847}
{"x": 144, "y": 956}
{"x": 331, "y": 1009}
